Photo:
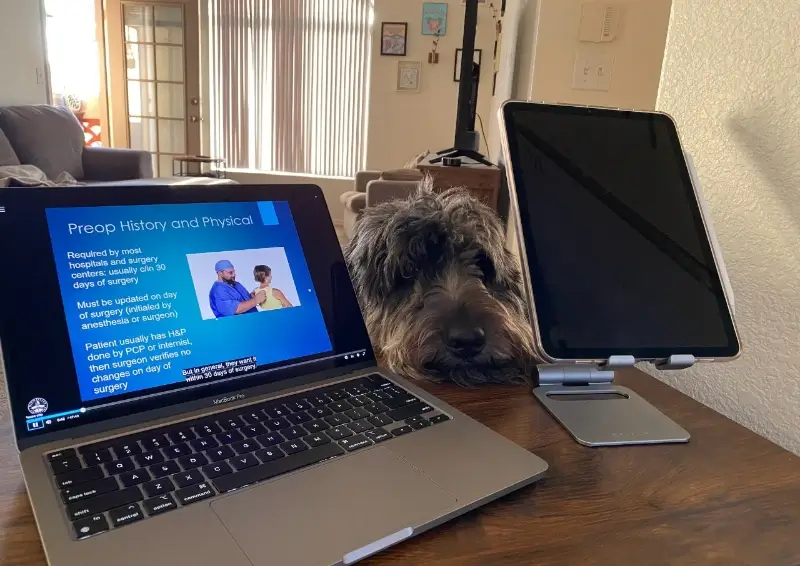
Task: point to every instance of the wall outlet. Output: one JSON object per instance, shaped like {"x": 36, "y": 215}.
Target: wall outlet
{"x": 40, "y": 80}
{"x": 604, "y": 67}
{"x": 584, "y": 75}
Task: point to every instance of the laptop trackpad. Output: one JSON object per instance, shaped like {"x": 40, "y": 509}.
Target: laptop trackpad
{"x": 317, "y": 516}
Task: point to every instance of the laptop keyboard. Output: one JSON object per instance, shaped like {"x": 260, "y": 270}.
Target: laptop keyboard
{"x": 113, "y": 483}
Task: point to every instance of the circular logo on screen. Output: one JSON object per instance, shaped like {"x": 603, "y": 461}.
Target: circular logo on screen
{"x": 37, "y": 406}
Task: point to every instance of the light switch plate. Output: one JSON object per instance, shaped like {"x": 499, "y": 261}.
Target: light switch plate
{"x": 585, "y": 73}
{"x": 604, "y": 68}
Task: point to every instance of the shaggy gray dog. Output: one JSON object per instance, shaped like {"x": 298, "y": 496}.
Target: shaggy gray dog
{"x": 441, "y": 294}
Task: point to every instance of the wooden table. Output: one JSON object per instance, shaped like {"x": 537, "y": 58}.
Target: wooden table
{"x": 729, "y": 497}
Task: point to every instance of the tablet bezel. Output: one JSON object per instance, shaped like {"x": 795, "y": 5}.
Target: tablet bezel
{"x": 548, "y": 352}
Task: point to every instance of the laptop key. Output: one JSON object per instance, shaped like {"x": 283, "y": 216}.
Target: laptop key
{"x": 90, "y": 526}
{"x": 102, "y": 503}
{"x": 314, "y": 440}
{"x": 79, "y": 477}
{"x": 251, "y": 431}
{"x": 276, "y": 412}
{"x": 187, "y": 478}
{"x": 192, "y": 461}
{"x": 416, "y": 425}
{"x": 293, "y": 432}
{"x": 278, "y": 424}
{"x": 159, "y": 504}
{"x": 407, "y": 411}
{"x": 320, "y": 412}
{"x": 339, "y": 432}
{"x": 269, "y": 454}
{"x": 359, "y": 401}
{"x": 154, "y": 441}
{"x": 299, "y": 418}
{"x": 182, "y": 435}
{"x": 355, "y": 442}
{"x": 203, "y": 444}
{"x": 380, "y": 420}
{"x": 299, "y": 405}
{"x": 270, "y": 439}
{"x": 127, "y": 449}
{"x": 136, "y": 477}
{"x": 340, "y": 406}
{"x": 207, "y": 428}
{"x": 178, "y": 450}
{"x": 357, "y": 413}
{"x": 100, "y": 456}
{"x": 61, "y": 454}
{"x": 317, "y": 426}
{"x": 319, "y": 400}
{"x": 221, "y": 453}
{"x": 243, "y": 462}
{"x": 360, "y": 426}
{"x": 439, "y": 419}
{"x": 229, "y": 437}
{"x": 336, "y": 420}
{"x": 158, "y": 487}
{"x": 216, "y": 470}
{"x": 65, "y": 465}
{"x": 276, "y": 467}
{"x": 378, "y": 435}
{"x": 336, "y": 395}
{"x": 164, "y": 469}
{"x": 245, "y": 446}
{"x": 376, "y": 408}
{"x": 194, "y": 493}
{"x": 126, "y": 514}
{"x": 124, "y": 465}
{"x": 87, "y": 490}
{"x": 149, "y": 458}
{"x": 397, "y": 402}
{"x": 293, "y": 447}
{"x": 231, "y": 424}
{"x": 402, "y": 430}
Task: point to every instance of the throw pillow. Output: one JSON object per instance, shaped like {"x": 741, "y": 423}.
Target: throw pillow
{"x": 49, "y": 137}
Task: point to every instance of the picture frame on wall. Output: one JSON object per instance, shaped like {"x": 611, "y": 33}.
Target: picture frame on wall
{"x": 408, "y": 76}
{"x": 434, "y": 18}
{"x": 394, "y": 38}
{"x": 476, "y": 57}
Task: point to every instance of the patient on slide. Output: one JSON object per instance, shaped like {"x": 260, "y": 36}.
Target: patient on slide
{"x": 274, "y": 298}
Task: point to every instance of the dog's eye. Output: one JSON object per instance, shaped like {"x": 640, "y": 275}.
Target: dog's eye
{"x": 486, "y": 266}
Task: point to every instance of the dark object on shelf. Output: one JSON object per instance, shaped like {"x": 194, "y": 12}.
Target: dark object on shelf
{"x": 467, "y": 140}
{"x": 192, "y": 166}
{"x": 451, "y": 161}
{"x": 477, "y": 58}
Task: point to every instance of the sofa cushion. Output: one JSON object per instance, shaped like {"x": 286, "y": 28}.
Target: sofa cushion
{"x": 7, "y": 154}
{"x": 402, "y": 175}
{"x": 49, "y": 137}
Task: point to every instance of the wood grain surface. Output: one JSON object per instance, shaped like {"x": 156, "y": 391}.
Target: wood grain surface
{"x": 729, "y": 497}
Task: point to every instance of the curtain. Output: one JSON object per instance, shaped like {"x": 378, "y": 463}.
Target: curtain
{"x": 290, "y": 83}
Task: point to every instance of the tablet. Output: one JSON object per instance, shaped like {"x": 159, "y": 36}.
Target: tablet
{"x": 612, "y": 236}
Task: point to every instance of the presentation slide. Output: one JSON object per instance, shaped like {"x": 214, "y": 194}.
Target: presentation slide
{"x": 172, "y": 294}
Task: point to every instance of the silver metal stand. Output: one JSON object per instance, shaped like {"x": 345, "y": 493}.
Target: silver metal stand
{"x": 584, "y": 400}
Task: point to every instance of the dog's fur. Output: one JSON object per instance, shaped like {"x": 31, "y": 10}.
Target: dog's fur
{"x": 430, "y": 264}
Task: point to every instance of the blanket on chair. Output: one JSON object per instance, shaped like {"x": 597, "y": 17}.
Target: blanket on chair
{"x": 30, "y": 176}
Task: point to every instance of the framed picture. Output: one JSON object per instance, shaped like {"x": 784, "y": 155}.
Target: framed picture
{"x": 476, "y": 57}
{"x": 434, "y": 18}
{"x": 408, "y": 76}
{"x": 394, "y": 36}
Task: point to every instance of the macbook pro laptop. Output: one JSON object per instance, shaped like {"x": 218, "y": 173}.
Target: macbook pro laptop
{"x": 191, "y": 382}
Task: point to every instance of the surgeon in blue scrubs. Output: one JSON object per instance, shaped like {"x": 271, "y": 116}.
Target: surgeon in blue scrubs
{"x": 229, "y": 297}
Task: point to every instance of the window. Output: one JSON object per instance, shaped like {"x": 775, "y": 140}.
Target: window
{"x": 289, "y": 84}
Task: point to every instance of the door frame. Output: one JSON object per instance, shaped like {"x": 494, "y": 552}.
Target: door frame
{"x": 119, "y": 127}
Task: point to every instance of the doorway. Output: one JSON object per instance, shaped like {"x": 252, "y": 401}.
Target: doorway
{"x": 154, "y": 78}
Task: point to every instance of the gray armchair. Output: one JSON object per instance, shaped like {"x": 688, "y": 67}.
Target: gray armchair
{"x": 51, "y": 139}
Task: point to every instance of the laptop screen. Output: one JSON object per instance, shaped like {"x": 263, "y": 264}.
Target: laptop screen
{"x": 166, "y": 302}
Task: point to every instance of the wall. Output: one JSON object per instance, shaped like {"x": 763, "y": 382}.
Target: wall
{"x": 22, "y": 53}
{"x": 730, "y": 80}
{"x": 401, "y": 125}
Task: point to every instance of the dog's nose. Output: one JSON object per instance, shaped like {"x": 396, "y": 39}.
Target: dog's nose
{"x": 466, "y": 341}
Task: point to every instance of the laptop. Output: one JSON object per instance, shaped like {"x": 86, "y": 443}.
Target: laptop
{"x": 191, "y": 381}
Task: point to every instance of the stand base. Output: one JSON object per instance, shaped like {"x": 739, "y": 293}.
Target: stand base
{"x": 468, "y": 153}
{"x": 608, "y": 415}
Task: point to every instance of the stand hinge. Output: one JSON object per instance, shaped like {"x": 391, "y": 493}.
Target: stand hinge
{"x": 676, "y": 361}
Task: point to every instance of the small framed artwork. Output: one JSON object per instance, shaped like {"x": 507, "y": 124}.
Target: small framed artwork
{"x": 434, "y": 18}
{"x": 476, "y": 57}
{"x": 408, "y": 76}
{"x": 394, "y": 36}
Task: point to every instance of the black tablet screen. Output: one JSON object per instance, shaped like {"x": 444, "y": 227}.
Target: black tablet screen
{"x": 619, "y": 258}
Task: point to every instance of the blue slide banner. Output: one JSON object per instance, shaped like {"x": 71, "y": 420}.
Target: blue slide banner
{"x": 135, "y": 283}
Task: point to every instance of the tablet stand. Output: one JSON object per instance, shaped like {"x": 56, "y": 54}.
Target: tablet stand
{"x": 585, "y": 401}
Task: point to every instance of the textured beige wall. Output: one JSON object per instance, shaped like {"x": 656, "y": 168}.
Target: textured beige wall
{"x": 21, "y": 53}
{"x": 731, "y": 81}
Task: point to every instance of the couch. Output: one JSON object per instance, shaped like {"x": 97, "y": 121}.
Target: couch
{"x": 374, "y": 187}
{"x": 51, "y": 139}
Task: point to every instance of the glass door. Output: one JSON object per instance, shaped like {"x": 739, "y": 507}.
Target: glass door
{"x": 158, "y": 78}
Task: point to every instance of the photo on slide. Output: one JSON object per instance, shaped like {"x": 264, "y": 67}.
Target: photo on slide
{"x": 232, "y": 283}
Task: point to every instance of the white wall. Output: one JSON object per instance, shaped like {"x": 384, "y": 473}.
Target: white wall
{"x": 22, "y": 53}
{"x": 730, "y": 79}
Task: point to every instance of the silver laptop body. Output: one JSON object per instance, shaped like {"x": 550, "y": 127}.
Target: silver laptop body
{"x": 231, "y": 471}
